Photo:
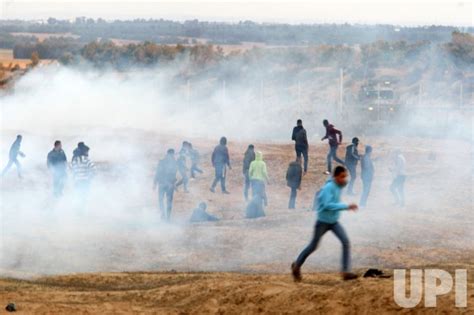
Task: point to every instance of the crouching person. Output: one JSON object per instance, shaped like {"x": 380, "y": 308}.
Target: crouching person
{"x": 258, "y": 176}
{"x": 200, "y": 214}
{"x": 254, "y": 208}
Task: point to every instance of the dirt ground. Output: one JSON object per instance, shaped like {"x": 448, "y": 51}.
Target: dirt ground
{"x": 211, "y": 293}
{"x": 121, "y": 264}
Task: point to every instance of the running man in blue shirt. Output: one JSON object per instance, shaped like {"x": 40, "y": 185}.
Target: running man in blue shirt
{"x": 329, "y": 207}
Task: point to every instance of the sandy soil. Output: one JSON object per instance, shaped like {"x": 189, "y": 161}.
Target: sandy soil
{"x": 211, "y": 293}
{"x": 105, "y": 276}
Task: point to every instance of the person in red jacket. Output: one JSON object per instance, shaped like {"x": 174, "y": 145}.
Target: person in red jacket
{"x": 335, "y": 139}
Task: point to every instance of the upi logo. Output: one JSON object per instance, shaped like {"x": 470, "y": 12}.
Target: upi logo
{"x": 436, "y": 282}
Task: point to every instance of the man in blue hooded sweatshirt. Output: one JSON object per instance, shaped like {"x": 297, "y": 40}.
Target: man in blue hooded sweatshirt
{"x": 329, "y": 206}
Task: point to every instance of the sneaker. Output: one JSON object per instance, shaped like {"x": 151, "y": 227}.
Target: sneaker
{"x": 225, "y": 192}
{"x": 295, "y": 272}
{"x": 212, "y": 190}
{"x": 349, "y": 276}
{"x": 327, "y": 173}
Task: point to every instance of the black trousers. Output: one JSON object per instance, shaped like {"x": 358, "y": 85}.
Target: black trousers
{"x": 303, "y": 151}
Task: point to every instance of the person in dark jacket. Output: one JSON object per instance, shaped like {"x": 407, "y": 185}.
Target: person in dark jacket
{"x": 249, "y": 157}
{"x": 332, "y": 135}
{"x": 165, "y": 179}
{"x": 182, "y": 167}
{"x": 294, "y": 175}
{"x": 351, "y": 160}
{"x": 194, "y": 156}
{"x": 200, "y": 214}
{"x": 57, "y": 164}
{"x": 13, "y": 156}
{"x": 301, "y": 142}
{"x": 367, "y": 174}
{"x": 220, "y": 161}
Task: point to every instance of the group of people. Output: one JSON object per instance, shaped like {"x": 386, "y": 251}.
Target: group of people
{"x": 166, "y": 180}
{"x": 81, "y": 166}
{"x": 351, "y": 161}
{"x": 254, "y": 171}
{"x": 327, "y": 201}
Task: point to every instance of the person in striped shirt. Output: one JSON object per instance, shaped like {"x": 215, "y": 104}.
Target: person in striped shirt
{"x": 83, "y": 170}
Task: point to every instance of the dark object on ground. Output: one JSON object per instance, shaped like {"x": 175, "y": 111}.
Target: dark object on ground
{"x": 255, "y": 209}
{"x": 349, "y": 276}
{"x": 11, "y": 307}
{"x": 375, "y": 273}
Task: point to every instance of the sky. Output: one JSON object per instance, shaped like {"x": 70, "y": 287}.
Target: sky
{"x": 401, "y": 12}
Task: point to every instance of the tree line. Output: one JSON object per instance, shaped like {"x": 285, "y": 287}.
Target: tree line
{"x": 174, "y": 32}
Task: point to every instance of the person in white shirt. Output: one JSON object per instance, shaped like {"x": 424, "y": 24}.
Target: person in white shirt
{"x": 399, "y": 176}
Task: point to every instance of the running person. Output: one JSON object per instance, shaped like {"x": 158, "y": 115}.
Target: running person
{"x": 332, "y": 135}
{"x": 13, "y": 156}
{"x": 329, "y": 207}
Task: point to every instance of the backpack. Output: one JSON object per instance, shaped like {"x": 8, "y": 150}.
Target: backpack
{"x": 300, "y": 138}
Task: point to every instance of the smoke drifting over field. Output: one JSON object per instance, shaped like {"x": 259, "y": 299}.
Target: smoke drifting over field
{"x": 63, "y": 100}
{"x": 130, "y": 119}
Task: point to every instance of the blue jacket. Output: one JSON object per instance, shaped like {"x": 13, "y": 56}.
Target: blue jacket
{"x": 329, "y": 202}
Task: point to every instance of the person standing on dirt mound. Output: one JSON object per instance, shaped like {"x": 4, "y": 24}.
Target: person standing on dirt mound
{"x": 367, "y": 174}
{"x": 57, "y": 164}
{"x": 352, "y": 157}
{"x": 249, "y": 157}
{"x": 13, "y": 156}
{"x": 258, "y": 176}
{"x": 329, "y": 207}
{"x": 332, "y": 135}
{"x": 165, "y": 179}
{"x": 300, "y": 138}
{"x": 294, "y": 175}
{"x": 220, "y": 161}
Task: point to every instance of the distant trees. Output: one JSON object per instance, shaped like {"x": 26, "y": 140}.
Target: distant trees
{"x": 8, "y": 41}
{"x": 50, "y": 48}
{"x": 461, "y": 48}
{"x": 171, "y": 32}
